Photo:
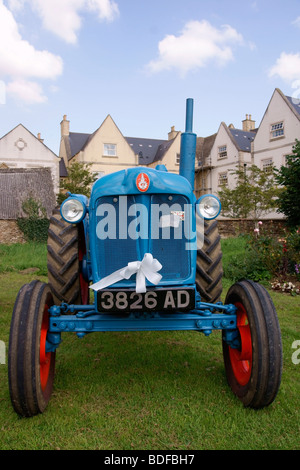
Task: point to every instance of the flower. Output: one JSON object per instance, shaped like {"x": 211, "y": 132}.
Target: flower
{"x": 256, "y": 230}
{"x": 260, "y": 222}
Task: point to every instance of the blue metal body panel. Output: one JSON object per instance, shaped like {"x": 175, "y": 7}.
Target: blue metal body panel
{"x": 123, "y": 183}
{"x": 85, "y": 319}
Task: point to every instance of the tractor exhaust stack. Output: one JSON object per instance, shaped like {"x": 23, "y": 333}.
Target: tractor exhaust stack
{"x": 188, "y": 146}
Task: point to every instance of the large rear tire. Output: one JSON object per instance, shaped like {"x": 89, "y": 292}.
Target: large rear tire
{"x": 254, "y": 369}
{"x": 30, "y": 367}
{"x": 66, "y": 247}
{"x": 209, "y": 270}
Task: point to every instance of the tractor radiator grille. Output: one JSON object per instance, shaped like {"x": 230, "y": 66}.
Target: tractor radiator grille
{"x": 127, "y": 227}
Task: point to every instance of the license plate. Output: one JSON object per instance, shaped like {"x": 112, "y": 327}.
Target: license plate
{"x": 127, "y": 300}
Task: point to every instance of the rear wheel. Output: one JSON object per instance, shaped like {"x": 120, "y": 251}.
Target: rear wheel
{"x": 30, "y": 367}
{"x": 209, "y": 270}
{"x": 254, "y": 369}
{"x": 66, "y": 248}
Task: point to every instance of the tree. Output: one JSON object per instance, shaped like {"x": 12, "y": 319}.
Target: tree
{"x": 78, "y": 181}
{"x": 255, "y": 193}
{"x": 289, "y": 177}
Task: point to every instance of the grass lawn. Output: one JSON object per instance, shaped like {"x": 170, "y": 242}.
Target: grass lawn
{"x": 145, "y": 390}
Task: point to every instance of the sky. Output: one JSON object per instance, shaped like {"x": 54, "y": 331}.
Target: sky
{"x": 139, "y": 60}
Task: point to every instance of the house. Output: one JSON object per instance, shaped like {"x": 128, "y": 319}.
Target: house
{"x": 108, "y": 151}
{"x": 277, "y": 132}
{"x": 219, "y": 154}
{"x": 265, "y": 146}
{"x": 19, "y": 148}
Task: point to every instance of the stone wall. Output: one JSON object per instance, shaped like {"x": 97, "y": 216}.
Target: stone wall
{"x": 10, "y": 232}
{"x": 234, "y": 227}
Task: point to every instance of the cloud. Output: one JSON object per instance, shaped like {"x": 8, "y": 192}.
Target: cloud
{"x": 26, "y": 91}
{"x": 20, "y": 61}
{"x": 64, "y": 17}
{"x": 16, "y": 5}
{"x": 287, "y": 67}
{"x": 198, "y": 44}
{"x": 106, "y": 9}
{"x": 297, "y": 22}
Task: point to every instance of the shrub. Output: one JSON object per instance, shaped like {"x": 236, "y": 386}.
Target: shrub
{"x": 35, "y": 225}
{"x": 266, "y": 256}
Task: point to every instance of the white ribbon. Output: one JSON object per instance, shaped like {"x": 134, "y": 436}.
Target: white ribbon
{"x": 145, "y": 269}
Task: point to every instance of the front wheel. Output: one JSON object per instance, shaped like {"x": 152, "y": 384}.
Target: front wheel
{"x": 253, "y": 369}
{"x": 30, "y": 366}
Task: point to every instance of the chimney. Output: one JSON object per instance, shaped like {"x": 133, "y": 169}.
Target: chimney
{"x": 65, "y": 126}
{"x": 39, "y": 137}
{"x": 248, "y": 123}
{"x": 172, "y": 134}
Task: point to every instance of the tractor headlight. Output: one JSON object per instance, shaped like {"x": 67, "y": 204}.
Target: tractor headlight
{"x": 73, "y": 210}
{"x": 208, "y": 207}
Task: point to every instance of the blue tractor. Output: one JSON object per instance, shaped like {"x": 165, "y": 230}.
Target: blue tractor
{"x": 150, "y": 255}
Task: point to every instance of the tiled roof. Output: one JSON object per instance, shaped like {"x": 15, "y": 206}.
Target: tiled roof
{"x": 243, "y": 139}
{"x": 63, "y": 172}
{"x": 146, "y": 149}
{"x": 203, "y": 148}
{"x": 77, "y": 142}
{"x": 295, "y": 102}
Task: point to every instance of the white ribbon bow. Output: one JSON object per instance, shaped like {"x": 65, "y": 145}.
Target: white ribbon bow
{"x": 145, "y": 269}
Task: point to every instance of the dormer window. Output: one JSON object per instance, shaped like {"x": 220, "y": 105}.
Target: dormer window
{"x": 277, "y": 130}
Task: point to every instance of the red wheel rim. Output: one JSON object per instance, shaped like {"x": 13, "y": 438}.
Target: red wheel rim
{"x": 241, "y": 359}
{"x": 45, "y": 357}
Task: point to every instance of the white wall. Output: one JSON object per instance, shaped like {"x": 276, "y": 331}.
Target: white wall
{"x": 226, "y": 164}
{"x": 21, "y": 149}
{"x": 266, "y": 148}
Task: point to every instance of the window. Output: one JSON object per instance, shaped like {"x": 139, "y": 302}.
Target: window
{"x": 177, "y": 161}
{"x": 223, "y": 179}
{"x": 277, "y": 130}
{"x": 267, "y": 164}
{"x": 110, "y": 150}
{"x": 222, "y": 151}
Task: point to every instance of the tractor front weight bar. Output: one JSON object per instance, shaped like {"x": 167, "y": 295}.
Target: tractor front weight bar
{"x": 84, "y": 319}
